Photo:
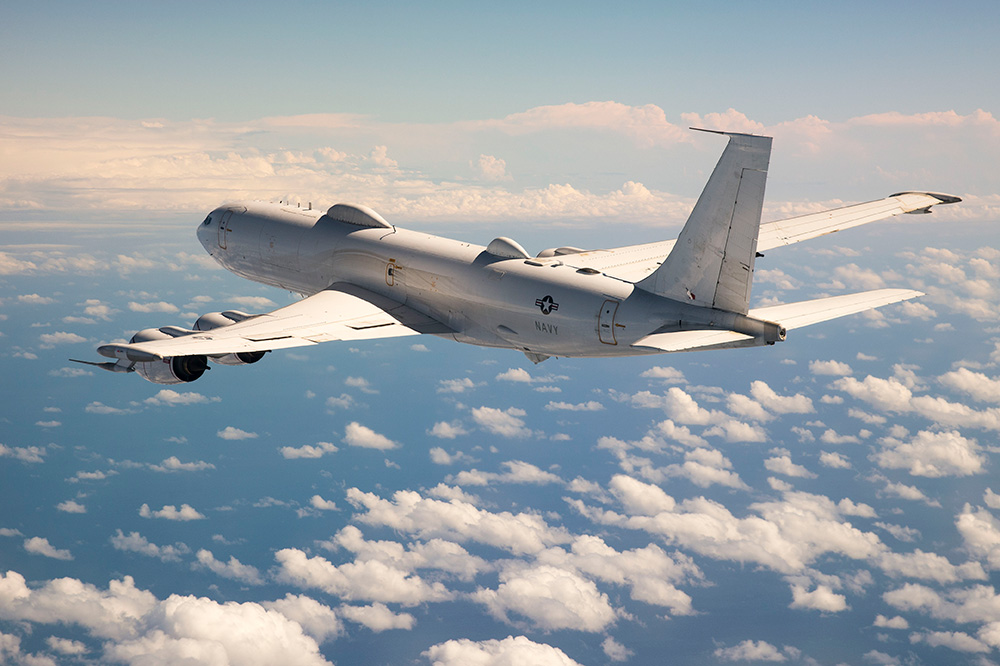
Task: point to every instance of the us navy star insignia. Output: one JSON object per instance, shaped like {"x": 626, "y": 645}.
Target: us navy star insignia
{"x": 546, "y": 304}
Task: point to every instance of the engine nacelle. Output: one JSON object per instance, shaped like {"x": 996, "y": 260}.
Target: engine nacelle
{"x": 212, "y": 320}
{"x": 175, "y": 370}
{"x": 242, "y": 358}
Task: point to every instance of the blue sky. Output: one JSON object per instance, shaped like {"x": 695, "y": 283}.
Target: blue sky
{"x": 828, "y": 500}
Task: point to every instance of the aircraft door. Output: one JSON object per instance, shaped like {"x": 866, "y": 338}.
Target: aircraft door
{"x": 224, "y": 228}
{"x": 606, "y": 322}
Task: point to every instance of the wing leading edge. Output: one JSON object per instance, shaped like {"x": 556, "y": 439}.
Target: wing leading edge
{"x": 635, "y": 262}
{"x": 340, "y": 312}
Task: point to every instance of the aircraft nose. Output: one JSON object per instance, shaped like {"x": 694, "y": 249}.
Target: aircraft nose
{"x": 204, "y": 231}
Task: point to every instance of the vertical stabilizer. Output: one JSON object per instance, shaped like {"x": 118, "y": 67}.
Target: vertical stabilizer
{"x": 712, "y": 262}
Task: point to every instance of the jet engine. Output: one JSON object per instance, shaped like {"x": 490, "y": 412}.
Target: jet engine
{"x": 175, "y": 370}
{"x": 218, "y": 319}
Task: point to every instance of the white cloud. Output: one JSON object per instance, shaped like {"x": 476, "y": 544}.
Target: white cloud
{"x": 932, "y": 454}
{"x": 132, "y": 624}
{"x": 136, "y": 543}
{"x": 956, "y": 640}
{"x": 589, "y": 406}
{"x": 834, "y": 460}
{"x": 446, "y": 430}
{"x": 615, "y": 651}
{"x": 318, "y": 621}
{"x": 28, "y": 454}
{"x": 835, "y": 368}
{"x": 157, "y": 306}
{"x": 378, "y": 617}
{"x": 356, "y": 434}
{"x": 793, "y": 404}
{"x": 233, "y": 569}
{"x": 367, "y": 580}
{"x": 174, "y": 398}
{"x": 784, "y": 465}
{"x": 821, "y": 599}
{"x": 35, "y": 299}
{"x": 667, "y": 375}
{"x": 891, "y": 623}
{"x": 493, "y": 652}
{"x": 173, "y": 464}
{"x": 975, "y": 384}
{"x": 308, "y": 451}
{"x": 170, "y": 512}
{"x": 321, "y": 504}
{"x": 41, "y": 546}
{"x": 457, "y": 520}
{"x": 71, "y": 506}
{"x": 455, "y": 385}
{"x": 518, "y": 471}
{"x": 506, "y": 423}
{"x": 233, "y": 433}
{"x": 49, "y": 340}
{"x": 750, "y": 650}
{"x": 552, "y": 598}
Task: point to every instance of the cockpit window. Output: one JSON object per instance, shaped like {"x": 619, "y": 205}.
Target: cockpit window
{"x": 208, "y": 220}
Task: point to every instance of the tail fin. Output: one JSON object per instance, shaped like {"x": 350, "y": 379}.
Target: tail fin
{"x": 712, "y": 262}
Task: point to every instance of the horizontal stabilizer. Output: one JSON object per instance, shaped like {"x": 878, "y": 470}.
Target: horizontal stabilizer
{"x": 805, "y": 313}
{"x": 789, "y": 316}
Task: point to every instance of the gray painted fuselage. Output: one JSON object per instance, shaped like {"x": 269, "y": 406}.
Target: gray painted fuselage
{"x": 537, "y": 305}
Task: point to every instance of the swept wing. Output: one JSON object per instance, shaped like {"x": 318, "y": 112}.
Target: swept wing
{"x": 635, "y": 262}
{"x": 341, "y": 312}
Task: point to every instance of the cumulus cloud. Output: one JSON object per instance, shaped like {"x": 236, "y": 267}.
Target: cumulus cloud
{"x": 136, "y": 543}
{"x": 50, "y": 340}
{"x": 932, "y": 454}
{"x": 28, "y": 454}
{"x": 356, "y": 434}
{"x": 493, "y": 652}
{"x": 157, "y": 306}
{"x": 518, "y": 471}
{"x": 750, "y": 650}
{"x": 308, "y": 451}
{"x": 233, "y": 433}
{"x": 552, "y": 598}
{"x": 835, "y": 368}
{"x": 446, "y": 430}
{"x": 377, "y": 617}
{"x": 174, "y": 398}
{"x": 233, "y": 569}
{"x": 171, "y": 512}
{"x": 41, "y": 546}
{"x": 71, "y": 506}
{"x": 366, "y": 580}
{"x": 457, "y": 520}
{"x": 504, "y": 422}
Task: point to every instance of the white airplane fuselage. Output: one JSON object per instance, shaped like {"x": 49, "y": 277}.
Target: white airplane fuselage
{"x": 538, "y": 305}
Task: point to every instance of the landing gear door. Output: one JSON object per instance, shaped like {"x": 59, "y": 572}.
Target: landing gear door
{"x": 224, "y": 228}
{"x": 606, "y": 322}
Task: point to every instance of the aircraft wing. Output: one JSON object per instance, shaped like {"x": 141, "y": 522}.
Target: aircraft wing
{"x": 341, "y": 312}
{"x": 790, "y": 315}
{"x": 634, "y": 262}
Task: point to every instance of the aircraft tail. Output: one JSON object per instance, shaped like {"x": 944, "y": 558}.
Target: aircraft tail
{"x": 711, "y": 264}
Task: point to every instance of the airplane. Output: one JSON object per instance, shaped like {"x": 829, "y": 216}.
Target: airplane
{"x": 363, "y": 278}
